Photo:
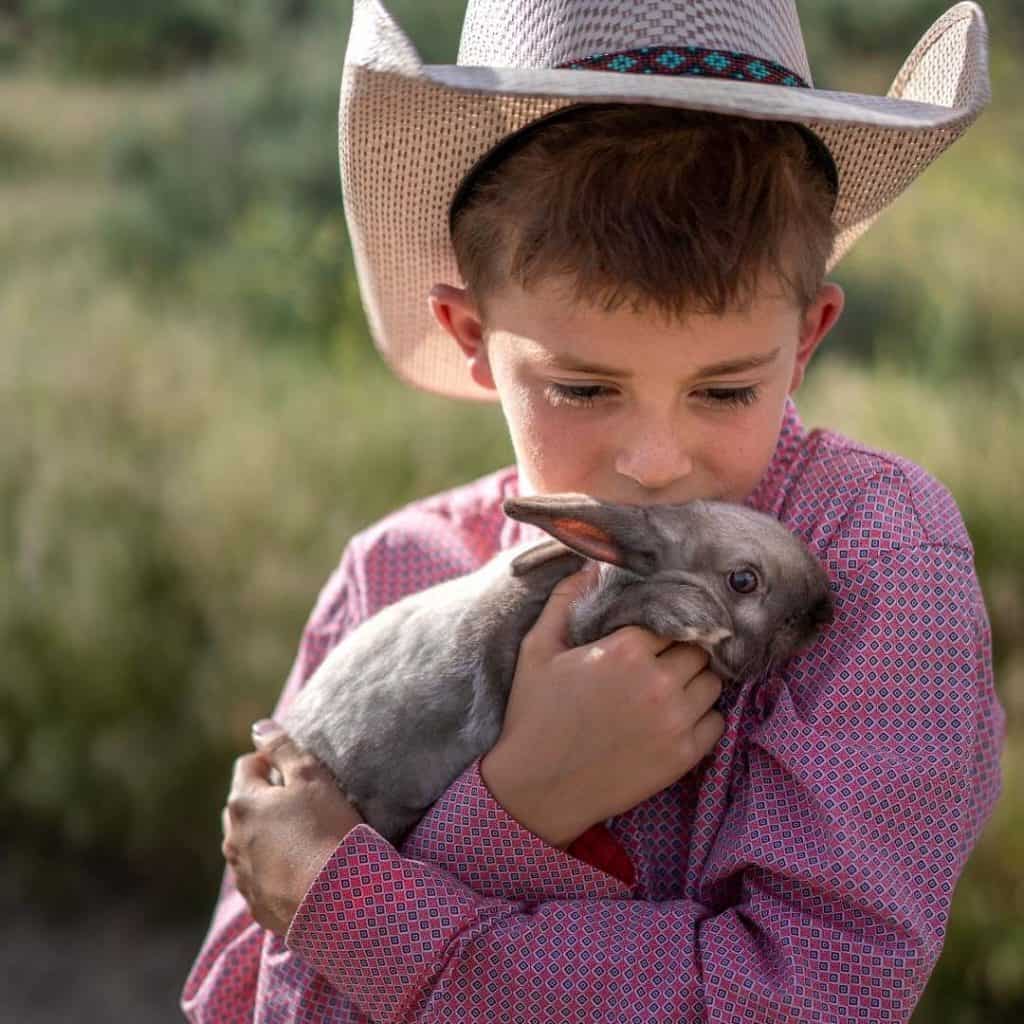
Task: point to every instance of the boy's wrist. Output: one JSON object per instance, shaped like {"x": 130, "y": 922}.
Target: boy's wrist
{"x": 533, "y": 804}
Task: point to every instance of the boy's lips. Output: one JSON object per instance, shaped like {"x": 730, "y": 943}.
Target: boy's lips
{"x": 648, "y": 500}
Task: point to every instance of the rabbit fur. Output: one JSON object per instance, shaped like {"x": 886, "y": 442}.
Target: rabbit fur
{"x": 412, "y": 696}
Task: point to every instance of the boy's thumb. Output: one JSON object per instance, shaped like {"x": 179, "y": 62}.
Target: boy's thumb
{"x": 549, "y": 631}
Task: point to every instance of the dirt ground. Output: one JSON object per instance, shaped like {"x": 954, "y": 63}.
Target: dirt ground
{"x": 109, "y": 966}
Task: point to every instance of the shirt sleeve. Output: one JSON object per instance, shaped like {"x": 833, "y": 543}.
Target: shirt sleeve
{"x": 471, "y": 836}
{"x": 226, "y": 982}
{"x": 866, "y": 776}
{"x": 243, "y": 973}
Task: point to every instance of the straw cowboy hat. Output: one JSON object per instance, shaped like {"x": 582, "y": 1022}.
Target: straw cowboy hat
{"x": 411, "y": 132}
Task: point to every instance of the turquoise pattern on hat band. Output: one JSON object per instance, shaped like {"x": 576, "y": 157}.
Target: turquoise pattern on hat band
{"x": 690, "y": 60}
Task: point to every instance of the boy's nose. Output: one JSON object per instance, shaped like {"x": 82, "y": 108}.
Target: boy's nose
{"x": 654, "y": 461}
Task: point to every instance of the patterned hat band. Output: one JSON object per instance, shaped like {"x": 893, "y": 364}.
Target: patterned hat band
{"x": 689, "y": 60}
{"x": 653, "y": 60}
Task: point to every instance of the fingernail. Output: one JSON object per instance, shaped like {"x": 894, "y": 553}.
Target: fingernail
{"x": 264, "y": 727}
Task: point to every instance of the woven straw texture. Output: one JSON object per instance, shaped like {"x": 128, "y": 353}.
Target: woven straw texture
{"x": 409, "y": 132}
{"x": 544, "y": 35}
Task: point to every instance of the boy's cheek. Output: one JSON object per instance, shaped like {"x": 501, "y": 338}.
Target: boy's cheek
{"x": 558, "y": 461}
{"x": 554, "y": 454}
{"x": 749, "y": 454}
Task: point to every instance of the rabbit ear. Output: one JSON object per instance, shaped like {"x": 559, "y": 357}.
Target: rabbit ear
{"x": 621, "y": 535}
{"x": 541, "y": 554}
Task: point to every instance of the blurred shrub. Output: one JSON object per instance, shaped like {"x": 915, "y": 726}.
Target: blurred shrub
{"x": 924, "y": 289}
{"x": 12, "y": 31}
{"x": 113, "y": 37}
{"x": 168, "y": 510}
{"x": 841, "y": 34}
{"x": 132, "y": 38}
{"x": 18, "y": 156}
{"x": 838, "y": 32}
{"x": 238, "y": 204}
{"x": 144, "y": 37}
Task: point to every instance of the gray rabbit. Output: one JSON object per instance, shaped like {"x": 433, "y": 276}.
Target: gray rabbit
{"x": 413, "y": 695}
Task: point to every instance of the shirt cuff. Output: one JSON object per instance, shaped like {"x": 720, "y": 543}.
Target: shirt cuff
{"x": 373, "y": 922}
{"x": 468, "y": 834}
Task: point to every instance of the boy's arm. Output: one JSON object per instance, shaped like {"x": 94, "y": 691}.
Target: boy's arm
{"x": 243, "y": 972}
{"x": 868, "y": 778}
{"x": 838, "y": 853}
{"x": 227, "y": 980}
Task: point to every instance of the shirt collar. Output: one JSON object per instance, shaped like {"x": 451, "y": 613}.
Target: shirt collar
{"x": 768, "y": 495}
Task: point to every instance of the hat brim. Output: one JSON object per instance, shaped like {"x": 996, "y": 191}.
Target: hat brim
{"x": 720, "y": 96}
{"x": 410, "y": 132}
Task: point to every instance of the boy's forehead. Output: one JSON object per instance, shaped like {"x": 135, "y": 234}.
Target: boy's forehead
{"x": 543, "y": 324}
{"x": 722, "y": 367}
{"x": 556, "y": 301}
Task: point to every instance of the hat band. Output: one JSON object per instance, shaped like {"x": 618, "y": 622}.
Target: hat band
{"x": 690, "y": 60}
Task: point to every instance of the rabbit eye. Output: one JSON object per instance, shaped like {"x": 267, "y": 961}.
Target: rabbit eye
{"x": 743, "y": 581}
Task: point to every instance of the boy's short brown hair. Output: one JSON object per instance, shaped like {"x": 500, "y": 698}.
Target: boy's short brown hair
{"x": 678, "y": 210}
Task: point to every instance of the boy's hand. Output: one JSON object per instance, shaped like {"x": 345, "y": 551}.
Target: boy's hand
{"x": 278, "y": 837}
{"x": 592, "y": 731}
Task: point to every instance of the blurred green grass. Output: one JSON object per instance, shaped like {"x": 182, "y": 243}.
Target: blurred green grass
{"x": 193, "y": 421}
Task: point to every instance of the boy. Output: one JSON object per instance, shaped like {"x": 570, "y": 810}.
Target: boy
{"x": 643, "y": 290}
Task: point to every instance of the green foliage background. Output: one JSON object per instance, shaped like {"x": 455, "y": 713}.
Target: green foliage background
{"x": 193, "y": 420}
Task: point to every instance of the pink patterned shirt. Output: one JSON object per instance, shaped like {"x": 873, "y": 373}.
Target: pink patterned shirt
{"x": 802, "y": 872}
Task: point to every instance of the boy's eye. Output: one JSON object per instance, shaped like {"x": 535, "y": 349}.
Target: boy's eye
{"x": 588, "y": 394}
{"x": 575, "y": 394}
{"x": 730, "y": 396}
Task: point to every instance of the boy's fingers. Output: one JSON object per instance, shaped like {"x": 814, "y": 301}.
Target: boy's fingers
{"x": 709, "y": 730}
{"x": 247, "y": 779}
{"x": 227, "y": 848}
{"x": 549, "y": 631}
{"x": 688, "y": 658}
{"x": 250, "y": 773}
{"x": 638, "y": 638}
{"x": 277, "y": 747}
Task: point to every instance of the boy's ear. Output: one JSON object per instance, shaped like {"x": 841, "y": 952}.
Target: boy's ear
{"x": 819, "y": 319}
{"x": 456, "y": 312}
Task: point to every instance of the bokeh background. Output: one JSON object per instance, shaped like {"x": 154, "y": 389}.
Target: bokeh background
{"x": 193, "y": 422}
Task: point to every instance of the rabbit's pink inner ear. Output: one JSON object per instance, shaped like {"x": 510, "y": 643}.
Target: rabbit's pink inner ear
{"x": 587, "y": 538}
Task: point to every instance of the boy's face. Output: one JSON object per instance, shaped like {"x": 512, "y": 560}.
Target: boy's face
{"x": 630, "y": 408}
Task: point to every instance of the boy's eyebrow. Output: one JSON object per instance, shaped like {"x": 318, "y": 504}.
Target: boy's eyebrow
{"x": 728, "y": 366}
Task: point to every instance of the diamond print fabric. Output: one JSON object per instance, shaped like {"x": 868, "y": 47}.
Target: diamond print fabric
{"x": 803, "y": 873}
